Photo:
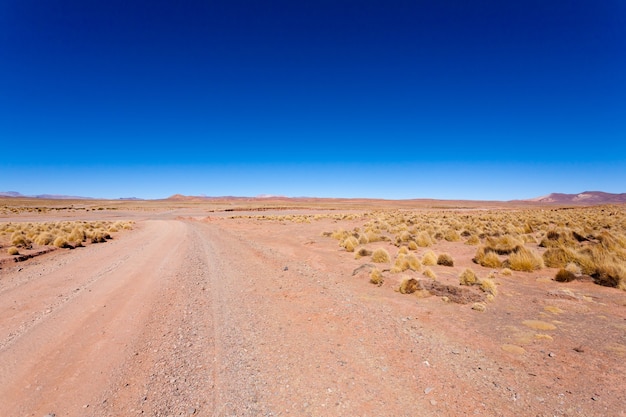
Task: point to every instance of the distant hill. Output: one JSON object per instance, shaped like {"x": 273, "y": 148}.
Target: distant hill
{"x": 10, "y": 194}
{"x": 586, "y": 197}
{"x": 15, "y": 194}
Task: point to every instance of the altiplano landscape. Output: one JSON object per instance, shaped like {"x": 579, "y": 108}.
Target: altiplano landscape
{"x": 312, "y": 307}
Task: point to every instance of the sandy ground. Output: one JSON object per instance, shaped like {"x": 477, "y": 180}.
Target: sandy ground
{"x": 210, "y": 316}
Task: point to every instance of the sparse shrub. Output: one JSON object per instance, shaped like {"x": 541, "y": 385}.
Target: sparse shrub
{"x": 506, "y": 272}
{"x": 480, "y": 307}
{"x": 373, "y": 237}
{"x": 413, "y": 263}
{"x": 564, "y": 276}
{"x": 362, "y": 252}
{"x": 423, "y": 239}
{"x": 504, "y": 245}
{"x": 525, "y": 259}
{"x": 400, "y": 264}
{"x": 380, "y": 256}
{"x": 376, "y": 277}
{"x": 487, "y": 258}
{"x": 363, "y": 240}
{"x": 429, "y": 258}
{"x": 339, "y": 234}
{"x": 350, "y": 243}
{"x": 488, "y": 286}
{"x": 558, "y": 257}
{"x": 610, "y": 275}
{"x": 473, "y": 240}
{"x": 61, "y": 242}
{"x": 452, "y": 235}
{"x": 409, "y": 286}
{"x": 13, "y": 251}
{"x": 429, "y": 273}
{"x": 468, "y": 277}
{"x": 445, "y": 259}
{"x": 403, "y": 250}
{"x": 573, "y": 268}
{"x": 413, "y": 245}
{"x": 405, "y": 236}
{"x": 44, "y": 238}
{"x": 20, "y": 240}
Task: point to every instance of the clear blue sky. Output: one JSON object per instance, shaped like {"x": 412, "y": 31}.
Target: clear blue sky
{"x": 392, "y": 99}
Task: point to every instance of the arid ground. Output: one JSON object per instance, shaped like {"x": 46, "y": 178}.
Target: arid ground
{"x": 244, "y": 308}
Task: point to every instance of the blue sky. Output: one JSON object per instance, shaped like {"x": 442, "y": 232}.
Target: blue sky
{"x": 382, "y": 99}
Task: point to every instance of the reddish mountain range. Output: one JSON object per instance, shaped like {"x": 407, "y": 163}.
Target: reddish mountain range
{"x": 586, "y": 197}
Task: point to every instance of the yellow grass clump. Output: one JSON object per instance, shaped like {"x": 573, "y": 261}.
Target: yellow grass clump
{"x": 350, "y": 243}
{"x": 488, "y": 286}
{"x": 380, "y": 256}
{"x": 525, "y": 259}
{"x": 487, "y": 258}
{"x": 376, "y": 277}
{"x": 429, "y": 258}
{"x": 423, "y": 240}
{"x": 445, "y": 259}
{"x": 13, "y": 251}
{"x": 468, "y": 277}
{"x": 409, "y": 286}
{"x": 429, "y": 273}
{"x": 563, "y": 275}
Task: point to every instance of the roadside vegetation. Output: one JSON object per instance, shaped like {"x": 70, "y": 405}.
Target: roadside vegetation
{"x": 20, "y": 236}
{"x": 576, "y": 243}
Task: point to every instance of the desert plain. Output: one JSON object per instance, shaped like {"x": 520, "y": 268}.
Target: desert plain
{"x": 310, "y": 307}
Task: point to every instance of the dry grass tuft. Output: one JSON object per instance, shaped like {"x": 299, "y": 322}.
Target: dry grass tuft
{"x": 44, "y": 238}
{"x": 362, "y": 252}
{"x": 429, "y": 273}
{"x": 525, "y": 259}
{"x": 610, "y": 275}
{"x": 473, "y": 240}
{"x": 564, "y": 276}
{"x": 409, "y": 286}
{"x": 423, "y": 240}
{"x": 429, "y": 258}
{"x": 376, "y": 277}
{"x": 468, "y": 277}
{"x": 480, "y": 307}
{"x": 487, "y": 258}
{"x": 488, "y": 286}
{"x": 20, "y": 240}
{"x": 445, "y": 259}
{"x": 504, "y": 245}
{"x": 380, "y": 256}
{"x": 13, "y": 251}
{"x": 61, "y": 242}
{"x": 559, "y": 257}
{"x": 350, "y": 243}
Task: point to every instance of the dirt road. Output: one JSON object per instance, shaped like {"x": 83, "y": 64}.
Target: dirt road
{"x": 184, "y": 317}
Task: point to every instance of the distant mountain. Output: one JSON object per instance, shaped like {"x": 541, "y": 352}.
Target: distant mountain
{"x": 10, "y": 194}
{"x": 15, "y": 194}
{"x": 586, "y": 197}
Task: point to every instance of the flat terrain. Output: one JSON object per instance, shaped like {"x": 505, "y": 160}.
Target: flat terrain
{"x": 206, "y": 312}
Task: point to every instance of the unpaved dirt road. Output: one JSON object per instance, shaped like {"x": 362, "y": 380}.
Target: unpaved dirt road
{"x": 188, "y": 317}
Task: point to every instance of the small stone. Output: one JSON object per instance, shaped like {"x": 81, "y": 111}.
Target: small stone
{"x": 433, "y": 402}
{"x": 552, "y": 355}
{"x": 595, "y": 398}
{"x": 428, "y": 390}
{"x": 191, "y": 411}
{"x": 286, "y": 268}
